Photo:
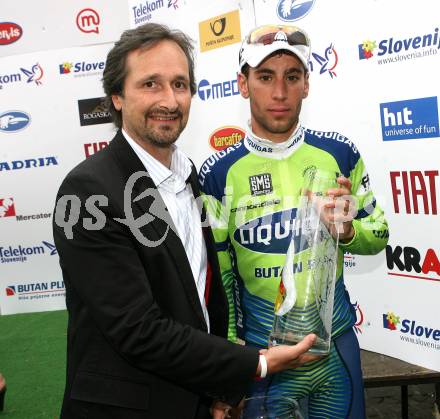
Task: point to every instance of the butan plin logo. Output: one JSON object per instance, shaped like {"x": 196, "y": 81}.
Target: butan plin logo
{"x": 36, "y": 290}
{"x": 220, "y": 31}
{"x": 410, "y": 119}
{"x": 392, "y": 49}
{"x": 225, "y": 137}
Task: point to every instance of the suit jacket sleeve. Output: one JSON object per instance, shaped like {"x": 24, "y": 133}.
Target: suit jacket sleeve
{"x": 106, "y": 271}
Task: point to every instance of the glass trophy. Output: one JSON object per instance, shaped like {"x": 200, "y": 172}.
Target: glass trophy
{"x": 304, "y": 303}
{"x": 270, "y": 407}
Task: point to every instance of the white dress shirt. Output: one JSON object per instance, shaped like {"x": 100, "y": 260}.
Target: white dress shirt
{"x": 179, "y": 199}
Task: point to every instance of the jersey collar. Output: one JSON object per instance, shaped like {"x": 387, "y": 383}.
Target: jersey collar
{"x": 267, "y": 148}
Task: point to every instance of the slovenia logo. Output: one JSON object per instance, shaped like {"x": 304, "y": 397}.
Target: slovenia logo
{"x": 291, "y": 10}
{"x": 390, "y": 321}
{"x": 366, "y": 49}
{"x": 12, "y": 121}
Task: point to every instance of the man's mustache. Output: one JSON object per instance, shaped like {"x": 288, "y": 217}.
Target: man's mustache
{"x": 161, "y": 112}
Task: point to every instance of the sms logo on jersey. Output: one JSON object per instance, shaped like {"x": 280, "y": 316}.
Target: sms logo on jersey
{"x": 7, "y": 208}
{"x": 390, "y": 321}
{"x": 410, "y": 119}
{"x": 12, "y": 121}
{"x": 261, "y": 184}
{"x": 291, "y": 10}
{"x": 225, "y": 137}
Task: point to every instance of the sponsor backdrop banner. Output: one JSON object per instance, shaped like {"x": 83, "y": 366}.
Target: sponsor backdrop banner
{"x": 372, "y": 80}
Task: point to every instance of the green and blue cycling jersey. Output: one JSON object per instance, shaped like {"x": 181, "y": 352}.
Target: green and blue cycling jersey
{"x": 252, "y": 191}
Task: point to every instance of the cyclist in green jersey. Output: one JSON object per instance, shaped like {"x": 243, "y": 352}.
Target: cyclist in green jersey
{"x": 254, "y": 191}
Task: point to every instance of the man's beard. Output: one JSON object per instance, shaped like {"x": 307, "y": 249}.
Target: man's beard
{"x": 163, "y": 136}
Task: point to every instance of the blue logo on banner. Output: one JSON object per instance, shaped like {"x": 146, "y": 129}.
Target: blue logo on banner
{"x": 410, "y": 119}
{"x": 291, "y": 10}
{"x": 219, "y": 90}
{"x": 11, "y": 121}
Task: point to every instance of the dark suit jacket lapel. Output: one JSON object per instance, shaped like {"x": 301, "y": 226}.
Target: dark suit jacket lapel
{"x": 163, "y": 225}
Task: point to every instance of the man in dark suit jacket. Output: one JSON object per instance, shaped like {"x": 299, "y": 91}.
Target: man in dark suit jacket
{"x": 147, "y": 313}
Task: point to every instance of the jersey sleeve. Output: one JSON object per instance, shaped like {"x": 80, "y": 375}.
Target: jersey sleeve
{"x": 216, "y": 203}
{"x": 371, "y": 228}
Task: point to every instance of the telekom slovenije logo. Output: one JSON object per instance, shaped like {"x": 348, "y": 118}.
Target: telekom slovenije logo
{"x": 390, "y": 321}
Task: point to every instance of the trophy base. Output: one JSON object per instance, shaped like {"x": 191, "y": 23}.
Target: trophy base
{"x": 320, "y": 347}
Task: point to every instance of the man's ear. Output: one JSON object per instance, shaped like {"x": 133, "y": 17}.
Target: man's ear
{"x": 306, "y": 85}
{"x": 117, "y": 102}
{"x": 243, "y": 85}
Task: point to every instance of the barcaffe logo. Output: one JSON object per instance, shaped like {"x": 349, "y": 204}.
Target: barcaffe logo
{"x": 220, "y": 31}
{"x": 225, "y": 137}
{"x": 93, "y": 111}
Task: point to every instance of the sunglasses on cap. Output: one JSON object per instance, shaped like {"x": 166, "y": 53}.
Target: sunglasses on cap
{"x": 266, "y": 35}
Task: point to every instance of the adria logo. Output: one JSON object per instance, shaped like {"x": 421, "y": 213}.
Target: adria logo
{"x": 9, "y": 33}
{"x": 225, "y": 137}
{"x": 88, "y": 20}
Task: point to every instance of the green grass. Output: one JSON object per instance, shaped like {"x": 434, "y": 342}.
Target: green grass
{"x": 33, "y": 362}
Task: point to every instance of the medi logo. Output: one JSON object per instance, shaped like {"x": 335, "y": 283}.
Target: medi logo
{"x": 410, "y": 119}
{"x": 291, "y": 10}
{"x": 218, "y": 90}
{"x": 82, "y": 68}
{"x": 390, "y": 50}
